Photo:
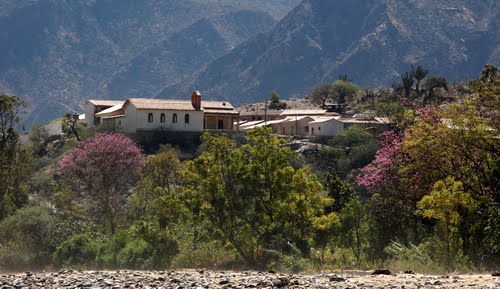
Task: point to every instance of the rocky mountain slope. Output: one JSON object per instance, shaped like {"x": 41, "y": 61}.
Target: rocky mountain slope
{"x": 372, "y": 41}
{"x": 59, "y": 53}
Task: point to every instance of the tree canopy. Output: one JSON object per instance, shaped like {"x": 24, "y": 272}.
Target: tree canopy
{"x": 16, "y": 162}
{"x": 106, "y": 165}
{"x": 253, "y": 196}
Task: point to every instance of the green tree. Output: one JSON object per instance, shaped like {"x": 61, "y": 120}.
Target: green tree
{"x": 353, "y": 231}
{"x": 275, "y": 100}
{"x": 456, "y": 142}
{"x": 354, "y": 148}
{"x": 79, "y": 250}
{"x": 27, "y": 233}
{"x": 431, "y": 84}
{"x": 444, "y": 203}
{"x": 301, "y": 208}
{"x": 212, "y": 194}
{"x": 274, "y": 97}
{"x": 16, "y": 162}
{"x": 11, "y": 108}
{"x": 156, "y": 192}
{"x": 344, "y": 91}
{"x": 70, "y": 121}
{"x": 156, "y": 206}
{"x": 252, "y": 196}
{"x": 395, "y": 111}
{"x": 320, "y": 93}
{"x": 489, "y": 74}
{"x": 486, "y": 89}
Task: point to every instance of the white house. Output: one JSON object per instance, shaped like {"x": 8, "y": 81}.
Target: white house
{"x": 326, "y": 126}
{"x": 292, "y": 125}
{"x": 145, "y": 114}
{"x": 219, "y": 115}
{"x": 94, "y": 106}
{"x": 332, "y": 126}
{"x": 142, "y": 114}
{"x": 316, "y": 123}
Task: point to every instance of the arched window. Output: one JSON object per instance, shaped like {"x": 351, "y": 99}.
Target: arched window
{"x": 162, "y": 117}
{"x": 186, "y": 118}
{"x": 150, "y": 117}
{"x": 174, "y": 118}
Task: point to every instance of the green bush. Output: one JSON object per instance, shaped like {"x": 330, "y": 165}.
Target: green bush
{"x": 162, "y": 242}
{"x": 294, "y": 264}
{"x": 135, "y": 255}
{"x": 15, "y": 256}
{"x": 210, "y": 254}
{"x": 417, "y": 258}
{"x": 108, "y": 251}
{"x": 78, "y": 251}
{"x": 130, "y": 251}
{"x": 27, "y": 233}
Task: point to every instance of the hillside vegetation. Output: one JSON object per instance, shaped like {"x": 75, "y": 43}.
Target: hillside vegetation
{"x": 424, "y": 195}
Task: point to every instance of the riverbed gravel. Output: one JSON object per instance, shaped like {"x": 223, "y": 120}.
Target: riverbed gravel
{"x": 246, "y": 279}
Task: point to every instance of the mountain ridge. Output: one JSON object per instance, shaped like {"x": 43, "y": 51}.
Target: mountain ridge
{"x": 373, "y": 43}
{"x": 57, "y": 54}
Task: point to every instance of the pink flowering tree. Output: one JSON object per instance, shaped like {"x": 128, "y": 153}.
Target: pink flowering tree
{"x": 389, "y": 178}
{"x": 384, "y": 169}
{"x": 106, "y": 165}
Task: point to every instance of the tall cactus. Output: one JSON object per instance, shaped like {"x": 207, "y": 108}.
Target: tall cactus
{"x": 419, "y": 73}
{"x": 344, "y": 77}
{"x": 407, "y": 80}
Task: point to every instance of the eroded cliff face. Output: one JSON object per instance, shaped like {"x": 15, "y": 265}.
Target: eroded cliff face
{"x": 59, "y": 53}
{"x": 371, "y": 41}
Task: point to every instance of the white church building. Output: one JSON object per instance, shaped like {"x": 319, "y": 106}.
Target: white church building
{"x": 144, "y": 114}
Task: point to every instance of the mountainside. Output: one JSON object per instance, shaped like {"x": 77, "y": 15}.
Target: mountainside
{"x": 183, "y": 53}
{"x": 372, "y": 41}
{"x": 56, "y": 54}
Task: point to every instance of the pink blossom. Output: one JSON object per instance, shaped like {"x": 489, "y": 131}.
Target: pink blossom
{"x": 385, "y": 163}
{"x": 106, "y": 157}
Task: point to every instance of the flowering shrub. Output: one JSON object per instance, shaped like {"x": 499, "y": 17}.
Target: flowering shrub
{"x": 107, "y": 165}
{"x": 385, "y": 164}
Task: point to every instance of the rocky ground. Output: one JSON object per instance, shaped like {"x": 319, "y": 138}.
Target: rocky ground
{"x": 247, "y": 279}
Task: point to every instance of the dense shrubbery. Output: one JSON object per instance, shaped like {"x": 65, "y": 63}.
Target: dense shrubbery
{"x": 423, "y": 195}
{"x": 77, "y": 251}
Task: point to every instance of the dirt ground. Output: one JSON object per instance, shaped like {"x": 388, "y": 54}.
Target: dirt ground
{"x": 231, "y": 279}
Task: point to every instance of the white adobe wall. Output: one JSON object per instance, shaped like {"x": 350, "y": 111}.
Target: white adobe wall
{"x": 293, "y": 127}
{"x": 116, "y": 122}
{"x": 130, "y": 119}
{"x": 136, "y": 120}
{"x": 89, "y": 114}
{"x": 328, "y": 128}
